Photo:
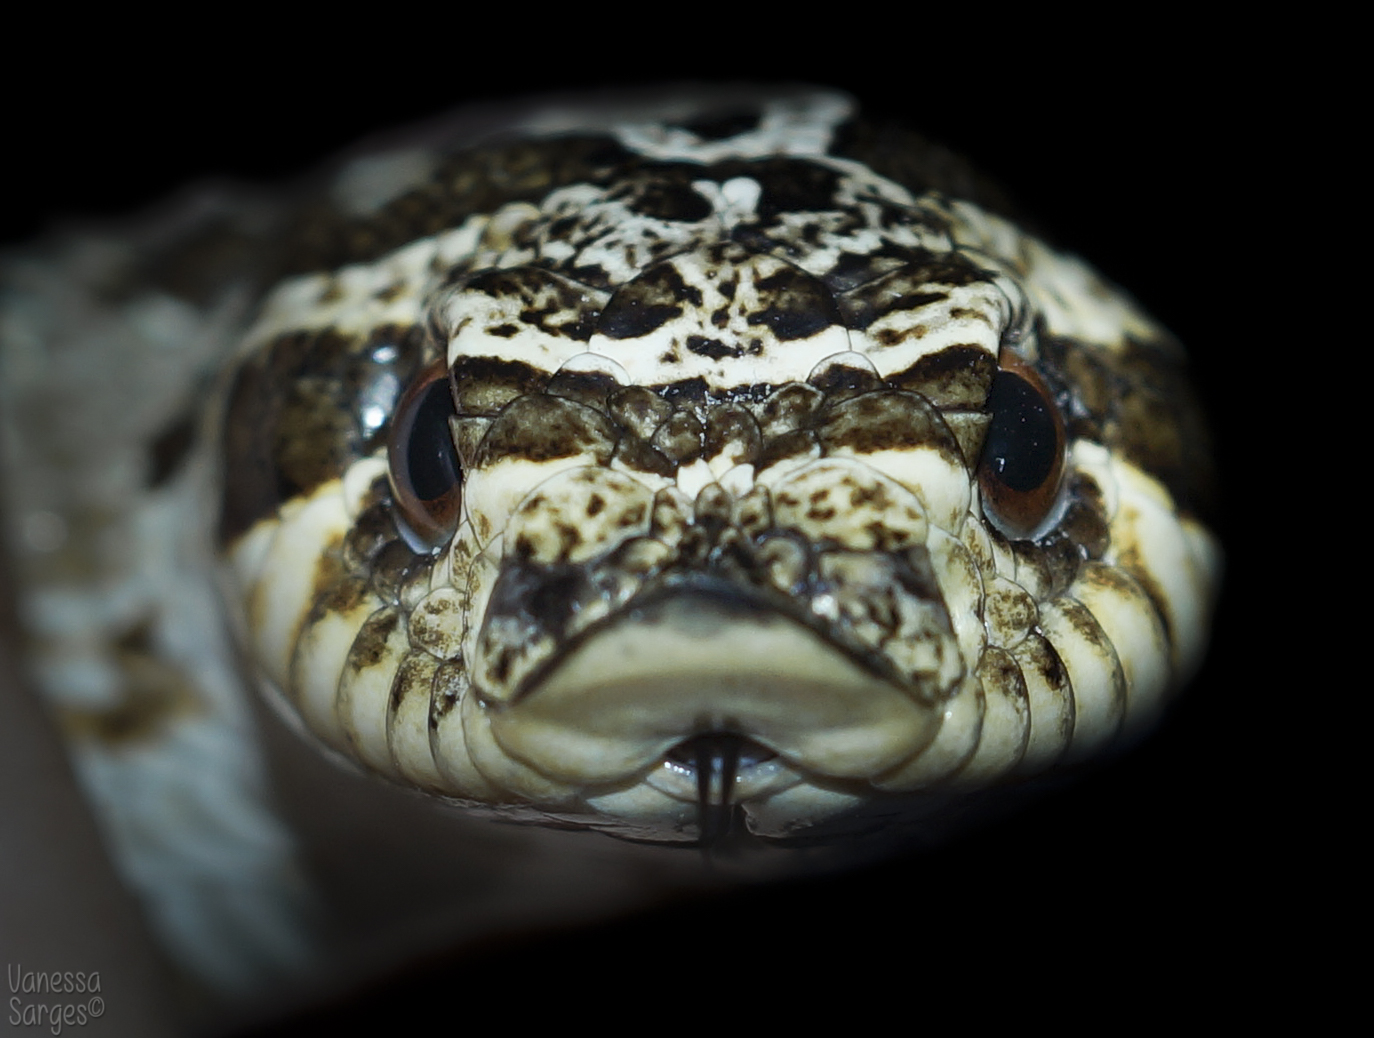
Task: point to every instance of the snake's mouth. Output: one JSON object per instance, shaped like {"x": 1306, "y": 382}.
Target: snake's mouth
{"x": 704, "y": 684}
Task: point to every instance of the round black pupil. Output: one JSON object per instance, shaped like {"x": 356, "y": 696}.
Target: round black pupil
{"x": 430, "y": 458}
{"x": 1021, "y": 444}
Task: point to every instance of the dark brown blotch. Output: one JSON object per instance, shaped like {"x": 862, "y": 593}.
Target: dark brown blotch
{"x": 1055, "y": 557}
{"x": 853, "y": 269}
{"x": 589, "y": 388}
{"x": 681, "y": 438}
{"x": 393, "y": 569}
{"x": 924, "y": 280}
{"x": 1036, "y": 653}
{"x": 790, "y": 407}
{"x": 713, "y": 349}
{"x": 839, "y": 380}
{"x": 639, "y": 411}
{"x": 734, "y": 428}
{"x": 1139, "y": 402}
{"x": 370, "y": 645}
{"x": 335, "y": 590}
{"x": 790, "y": 185}
{"x": 647, "y": 303}
{"x": 451, "y": 682}
{"x": 956, "y": 377}
{"x": 542, "y": 428}
{"x": 373, "y": 530}
{"x": 414, "y": 676}
{"x": 484, "y": 385}
{"x": 669, "y": 195}
{"x": 797, "y": 444}
{"x": 640, "y": 456}
{"x": 796, "y": 305}
{"x": 1085, "y": 518}
{"x": 546, "y": 302}
{"x": 998, "y": 669}
{"x": 302, "y": 409}
{"x": 886, "y": 421}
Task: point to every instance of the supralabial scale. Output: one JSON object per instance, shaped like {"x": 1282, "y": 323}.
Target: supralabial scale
{"x": 713, "y": 462}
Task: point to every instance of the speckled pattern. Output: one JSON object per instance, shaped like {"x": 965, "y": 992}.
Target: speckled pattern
{"x": 720, "y": 366}
{"x": 720, "y": 378}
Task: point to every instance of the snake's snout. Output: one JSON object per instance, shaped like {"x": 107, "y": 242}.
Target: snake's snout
{"x": 707, "y": 698}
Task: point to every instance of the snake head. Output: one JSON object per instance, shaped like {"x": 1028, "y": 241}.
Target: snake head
{"x": 716, "y": 481}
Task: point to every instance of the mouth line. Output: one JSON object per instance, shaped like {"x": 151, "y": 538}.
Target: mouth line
{"x": 727, "y": 600}
{"x": 725, "y": 752}
{"x": 720, "y": 773}
{"x": 699, "y": 684}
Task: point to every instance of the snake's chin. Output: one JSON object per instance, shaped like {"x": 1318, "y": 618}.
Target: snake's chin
{"x": 704, "y": 700}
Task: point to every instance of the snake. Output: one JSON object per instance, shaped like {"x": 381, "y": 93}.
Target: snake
{"x": 704, "y": 463}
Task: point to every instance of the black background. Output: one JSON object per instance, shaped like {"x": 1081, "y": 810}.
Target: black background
{"x": 1140, "y": 883}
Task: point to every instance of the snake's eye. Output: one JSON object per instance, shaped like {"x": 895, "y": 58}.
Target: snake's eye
{"x": 426, "y": 477}
{"x": 1022, "y": 465}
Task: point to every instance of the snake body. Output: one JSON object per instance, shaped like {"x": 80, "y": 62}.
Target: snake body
{"x": 704, "y": 462}
{"x": 719, "y": 530}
